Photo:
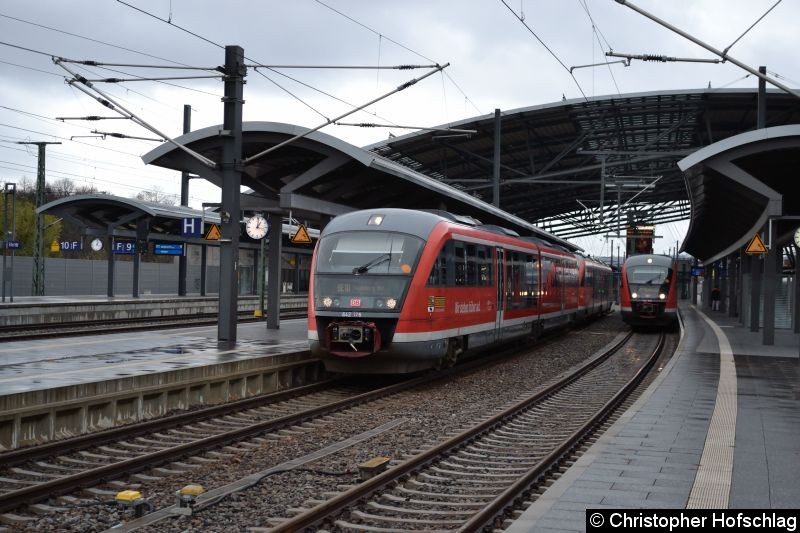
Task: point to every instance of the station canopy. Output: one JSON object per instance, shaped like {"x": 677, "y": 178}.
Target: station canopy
{"x": 740, "y": 184}
{"x": 321, "y": 176}
{"x": 99, "y": 212}
{"x": 554, "y": 157}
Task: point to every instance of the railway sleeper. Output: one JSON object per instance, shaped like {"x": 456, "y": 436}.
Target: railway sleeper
{"x": 402, "y": 519}
{"x": 509, "y": 468}
{"x": 465, "y": 513}
{"x": 434, "y": 502}
{"x": 443, "y": 495}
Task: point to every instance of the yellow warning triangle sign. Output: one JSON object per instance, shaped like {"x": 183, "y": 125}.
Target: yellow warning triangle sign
{"x": 213, "y": 233}
{"x": 756, "y": 246}
{"x": 301, "y": 236}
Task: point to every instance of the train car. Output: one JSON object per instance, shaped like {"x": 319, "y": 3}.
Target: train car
{"x": 397, "y": 291}
{"x": 649, "y": 293}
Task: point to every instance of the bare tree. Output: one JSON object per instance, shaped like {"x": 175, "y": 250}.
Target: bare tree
{"x": 157, "y": 196}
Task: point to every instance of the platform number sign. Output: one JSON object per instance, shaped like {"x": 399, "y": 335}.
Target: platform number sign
{"x": 124, "y": 247}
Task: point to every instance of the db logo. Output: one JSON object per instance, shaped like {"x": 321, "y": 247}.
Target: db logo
{"x": 355, "y": 302}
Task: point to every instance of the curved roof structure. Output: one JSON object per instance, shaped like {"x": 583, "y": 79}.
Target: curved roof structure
{"x": 739, "y": 183}
{"x": 321, "y": 175}
{"x": 555, "y": 156}
{"x": 101, "y": 211}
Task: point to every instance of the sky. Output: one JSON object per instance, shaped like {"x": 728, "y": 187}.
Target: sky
{"x": 495, "y": 61}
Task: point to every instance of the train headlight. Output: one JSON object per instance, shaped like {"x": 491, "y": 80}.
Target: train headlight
{"x": 662, "y": 296}
{"x": 327, "y": 301}
{"x": 391, "y": 303}
{"x": 634, "y": 295}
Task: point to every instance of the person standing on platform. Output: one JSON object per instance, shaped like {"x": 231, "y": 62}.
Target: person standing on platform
{"x": 715, "y": 299}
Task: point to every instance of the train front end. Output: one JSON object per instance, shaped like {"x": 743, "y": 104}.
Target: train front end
{"x": 649, "y": 291}
{"x": 362, "y": 270}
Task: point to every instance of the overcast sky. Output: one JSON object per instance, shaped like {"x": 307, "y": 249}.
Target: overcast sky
{"x": 495, "y": 62}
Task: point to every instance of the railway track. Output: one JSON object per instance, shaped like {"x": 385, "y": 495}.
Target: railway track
{"x": 37, "y": 474}
{"x": 472, "y": 481}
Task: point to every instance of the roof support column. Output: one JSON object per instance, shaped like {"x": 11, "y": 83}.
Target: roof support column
{"x": 796, "y": 317}
{"x": 183, "y": 259}
{"x": 110, "y": 248}
{"x": 755, "y": 292}
{"x": 734, "y": 285}
{"x": 274, "y": 272}
{"x": 496, "y": 169}
{"x": 770, "y": 268}
{"x": 230, "y": 214}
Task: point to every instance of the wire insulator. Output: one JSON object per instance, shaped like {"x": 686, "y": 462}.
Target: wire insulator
{"x": 654, "y": 57}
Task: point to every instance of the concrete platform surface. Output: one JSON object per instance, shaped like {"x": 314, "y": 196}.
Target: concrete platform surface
{"x": 669, "y": 449}
{"x": 52, "y": 363}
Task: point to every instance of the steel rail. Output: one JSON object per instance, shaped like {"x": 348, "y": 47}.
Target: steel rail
{"x": 322, "y": 512}
{"x": 503, "y": 503}
{"x": 43, "y": 491}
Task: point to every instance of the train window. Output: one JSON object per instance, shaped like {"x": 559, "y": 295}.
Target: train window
{"x": 648, "y": 275}
{"x": 438, "y": 276}
{"x": 522, "y": 281}
{"x": 373, "y": 252}
{"x": 484, "y": 266}
{"x": 472, "y": 265}
{"x": 531, "y": 270}
{"x": 460, "y": 264}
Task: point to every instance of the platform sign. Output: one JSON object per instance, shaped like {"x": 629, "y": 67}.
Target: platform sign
{"x": 756, "y": 246}
{"x": 301, "y": 236}
{"x": 13, "y": 245}
{"x": 698, "y": 271}
{"x": 192, "y": 227}
{"x": 213, "y": 233}
{"x": 124, "y": 247}
{"x": 70, "y": 246}
{"x": 163, "y": 248}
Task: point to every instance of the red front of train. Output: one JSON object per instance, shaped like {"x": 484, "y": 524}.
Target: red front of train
{"x": 649, "y": 293}
{"x": 396, "y": 291}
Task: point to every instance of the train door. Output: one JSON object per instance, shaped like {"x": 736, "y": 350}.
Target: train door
{"x": 501, "y": 293}
{"x": 561, "y": 290}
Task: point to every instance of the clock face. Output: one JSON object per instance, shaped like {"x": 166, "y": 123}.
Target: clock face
{"x": 97, "y": 245}
{"x": 797, "y": 237}
{"x": 256, "y": 227}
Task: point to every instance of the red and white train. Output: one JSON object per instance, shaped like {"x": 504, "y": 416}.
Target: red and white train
{"x": 396, "y": 291}
{"x": 649, "y": 293}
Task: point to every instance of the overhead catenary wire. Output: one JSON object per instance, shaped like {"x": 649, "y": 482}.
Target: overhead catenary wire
{"x": 404, "y": 47}
{"x": 751, "y": 27}
{"x": 359, "y": 108}
{"x": 422, "y": 128}
{"x": 81, "y": 84}
{"x": 530, "y": 30}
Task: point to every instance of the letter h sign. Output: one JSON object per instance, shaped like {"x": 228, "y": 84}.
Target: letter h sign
{"x": 192, "y": 227}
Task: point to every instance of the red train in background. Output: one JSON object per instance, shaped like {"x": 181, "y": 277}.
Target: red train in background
{"x": 397, "y": 291}
{"x": 649, "y": 293}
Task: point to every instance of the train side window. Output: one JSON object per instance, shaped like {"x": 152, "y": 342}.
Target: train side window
{"x": 460, "y": 265}
{"x": 472, "y": 266}
{"x": 438, "y": 276}
{"x": 531, "y": 270}
{"x": 484, "y": 266}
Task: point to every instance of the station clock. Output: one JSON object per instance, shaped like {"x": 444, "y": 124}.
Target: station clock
{"x": 256, "y": 227}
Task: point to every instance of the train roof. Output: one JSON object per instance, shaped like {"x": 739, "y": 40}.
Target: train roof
{"x": 419, "y": 223}
{"x": 649, "y": 259}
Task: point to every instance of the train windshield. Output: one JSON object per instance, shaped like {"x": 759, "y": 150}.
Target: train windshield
{"x": 361, "y": 271}
{"x": 648, "y": 275}
{"x": 368, "y": 252}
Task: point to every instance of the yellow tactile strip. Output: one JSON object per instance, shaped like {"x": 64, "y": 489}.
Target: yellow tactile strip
{"x": 712, "y": 484}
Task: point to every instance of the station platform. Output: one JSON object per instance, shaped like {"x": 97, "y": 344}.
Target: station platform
{"x": 718, "y": 428}
{"x": 62, "y": 387}
{"x": 40, "y": 310}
